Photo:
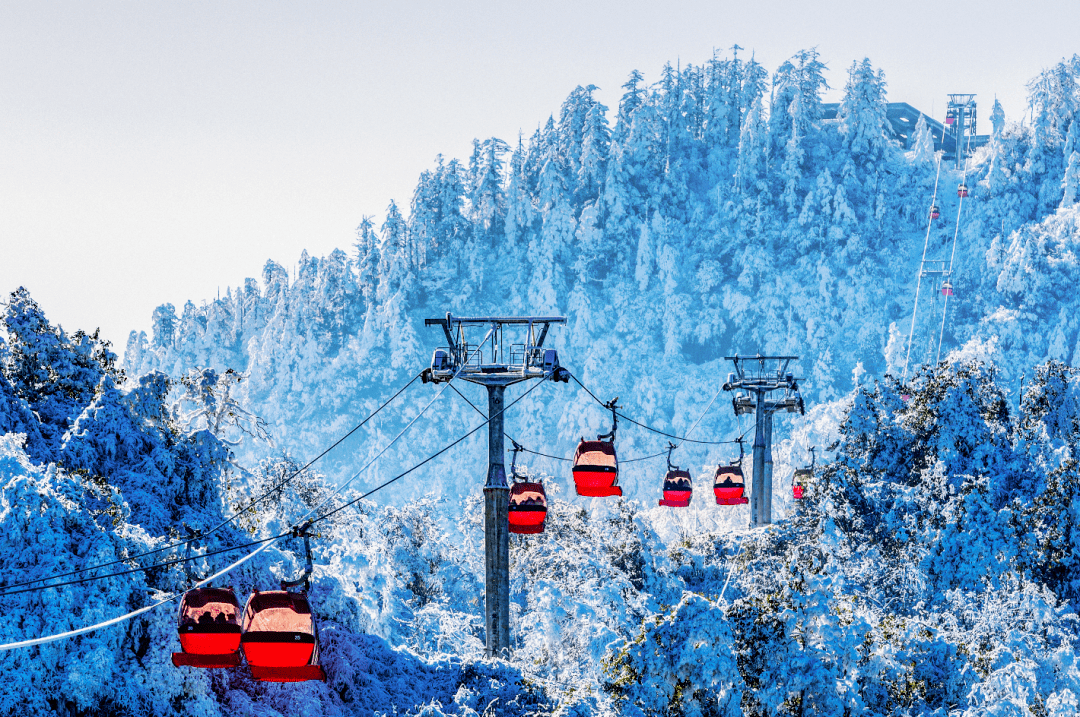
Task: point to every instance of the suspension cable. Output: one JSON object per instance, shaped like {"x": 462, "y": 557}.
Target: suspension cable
{"x": 134, "y": 613}
{"x": 733, "y": 567}
{"x": 570, "y": 460}
{"x": 952, "y": 257}
{"x": 429, "y": 458}
{"x": 177, "y": 561}
{"x": 643, "y": 458}
{"x": 647, "y": 427}
{"x": 4, "y": 589}
{"x": 145, "y": 568}
{"x": 287, "y": 533}
{"x": 266, "y": 542}
{"x": 401, "y": 433}
{"x": 707, "y": 407}
{"x": 922, "y": 263}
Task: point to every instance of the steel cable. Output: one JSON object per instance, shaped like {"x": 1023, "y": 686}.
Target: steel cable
{"x": 6, "y": 589}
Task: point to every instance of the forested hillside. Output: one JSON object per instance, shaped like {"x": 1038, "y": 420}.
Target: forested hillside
{"x": 695, "y": 226}
{"x": 929, "y": 570}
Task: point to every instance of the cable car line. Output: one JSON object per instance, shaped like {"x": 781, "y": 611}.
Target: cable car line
{"x": 642, "y": 425}
{"x": 4, "y": 589}
{"x": 266, "y": 542}
{"x": 400, "y": 434}
{"x": 300, "y": 527}
{"x": 301, "y": 524}
{"x": 429, "y": 458}
{"x": 135, "y": 613}
{"x": 711, "y": 402}
{"x": 516, "y": 445}
{"x": 962, "y": 193}
{"x": 734, "y": 567}
{"x": 177, "y": 561}
{"x": 643, "y": 458}
{"x": 922, "y": 264}
{"x": 144, "y": 568}
{"x": 523, "y": 449}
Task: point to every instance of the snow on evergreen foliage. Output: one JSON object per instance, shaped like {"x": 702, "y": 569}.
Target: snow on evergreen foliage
{"x": 931, "y": 568}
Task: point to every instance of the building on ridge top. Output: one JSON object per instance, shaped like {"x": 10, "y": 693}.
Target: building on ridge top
{"x": 902, "y": 119}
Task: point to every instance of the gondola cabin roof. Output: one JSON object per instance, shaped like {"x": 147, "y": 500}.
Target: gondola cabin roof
{"x": 526, "y": 494}
{"x": 729, "y": 474}
{"x": 203, "y": 605}
{"x": 278, "y": 611}
{"x": 678, "y": 480}
{"x": 595, "y": 453}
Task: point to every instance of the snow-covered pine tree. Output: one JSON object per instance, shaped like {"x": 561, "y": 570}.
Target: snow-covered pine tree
{"x": 922, "y": 142}
{"x": 862, "y": 113}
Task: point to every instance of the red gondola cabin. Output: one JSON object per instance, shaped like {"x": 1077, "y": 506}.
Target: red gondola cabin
{"x": 209, "y": 629}
{"x": 799, "y": 481}
{"x": 280, "y": 639}
{"x": 596, "y": 469}
{"x": 528, "y": 508}
{"x": 678, "y": 489}
{"x": 728, "y": 486}
{"x": 947, "y": 289}
{"x": 935, "y": 212}
{"x": 962, "y": 191}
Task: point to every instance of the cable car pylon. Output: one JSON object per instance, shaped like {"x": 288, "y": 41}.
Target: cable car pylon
{"x": 752, "y": 388}
{"x": 495, "y": 365}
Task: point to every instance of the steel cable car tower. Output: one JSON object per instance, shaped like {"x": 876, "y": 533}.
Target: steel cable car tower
{"x": 752, "y": 389}
{"x": 500, "y": 369}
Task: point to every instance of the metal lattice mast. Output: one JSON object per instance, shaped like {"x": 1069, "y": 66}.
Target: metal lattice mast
{"x": 524, "y": 361}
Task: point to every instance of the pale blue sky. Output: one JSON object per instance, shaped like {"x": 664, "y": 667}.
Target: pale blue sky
{"x": 154, "y": 151}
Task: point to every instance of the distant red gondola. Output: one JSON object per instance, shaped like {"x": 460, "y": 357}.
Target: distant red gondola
{"x": 947, "y": 288}
{"x": 528, "y": 502}
{"x": 678, "y": 486}
{"x": 528, "y": 508}
{"x": 596, "y": 466}
{"x": 209, "y": 629}
{"x": 798, "y": 483}
{"x": 678, "y": 489}
{"x": 802, "y": 477}
{"x": 728, "y": 486}
{"x": 596, "y": 469}
{"x": 962, "y": 191}
{"x": 935, "y": 212}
